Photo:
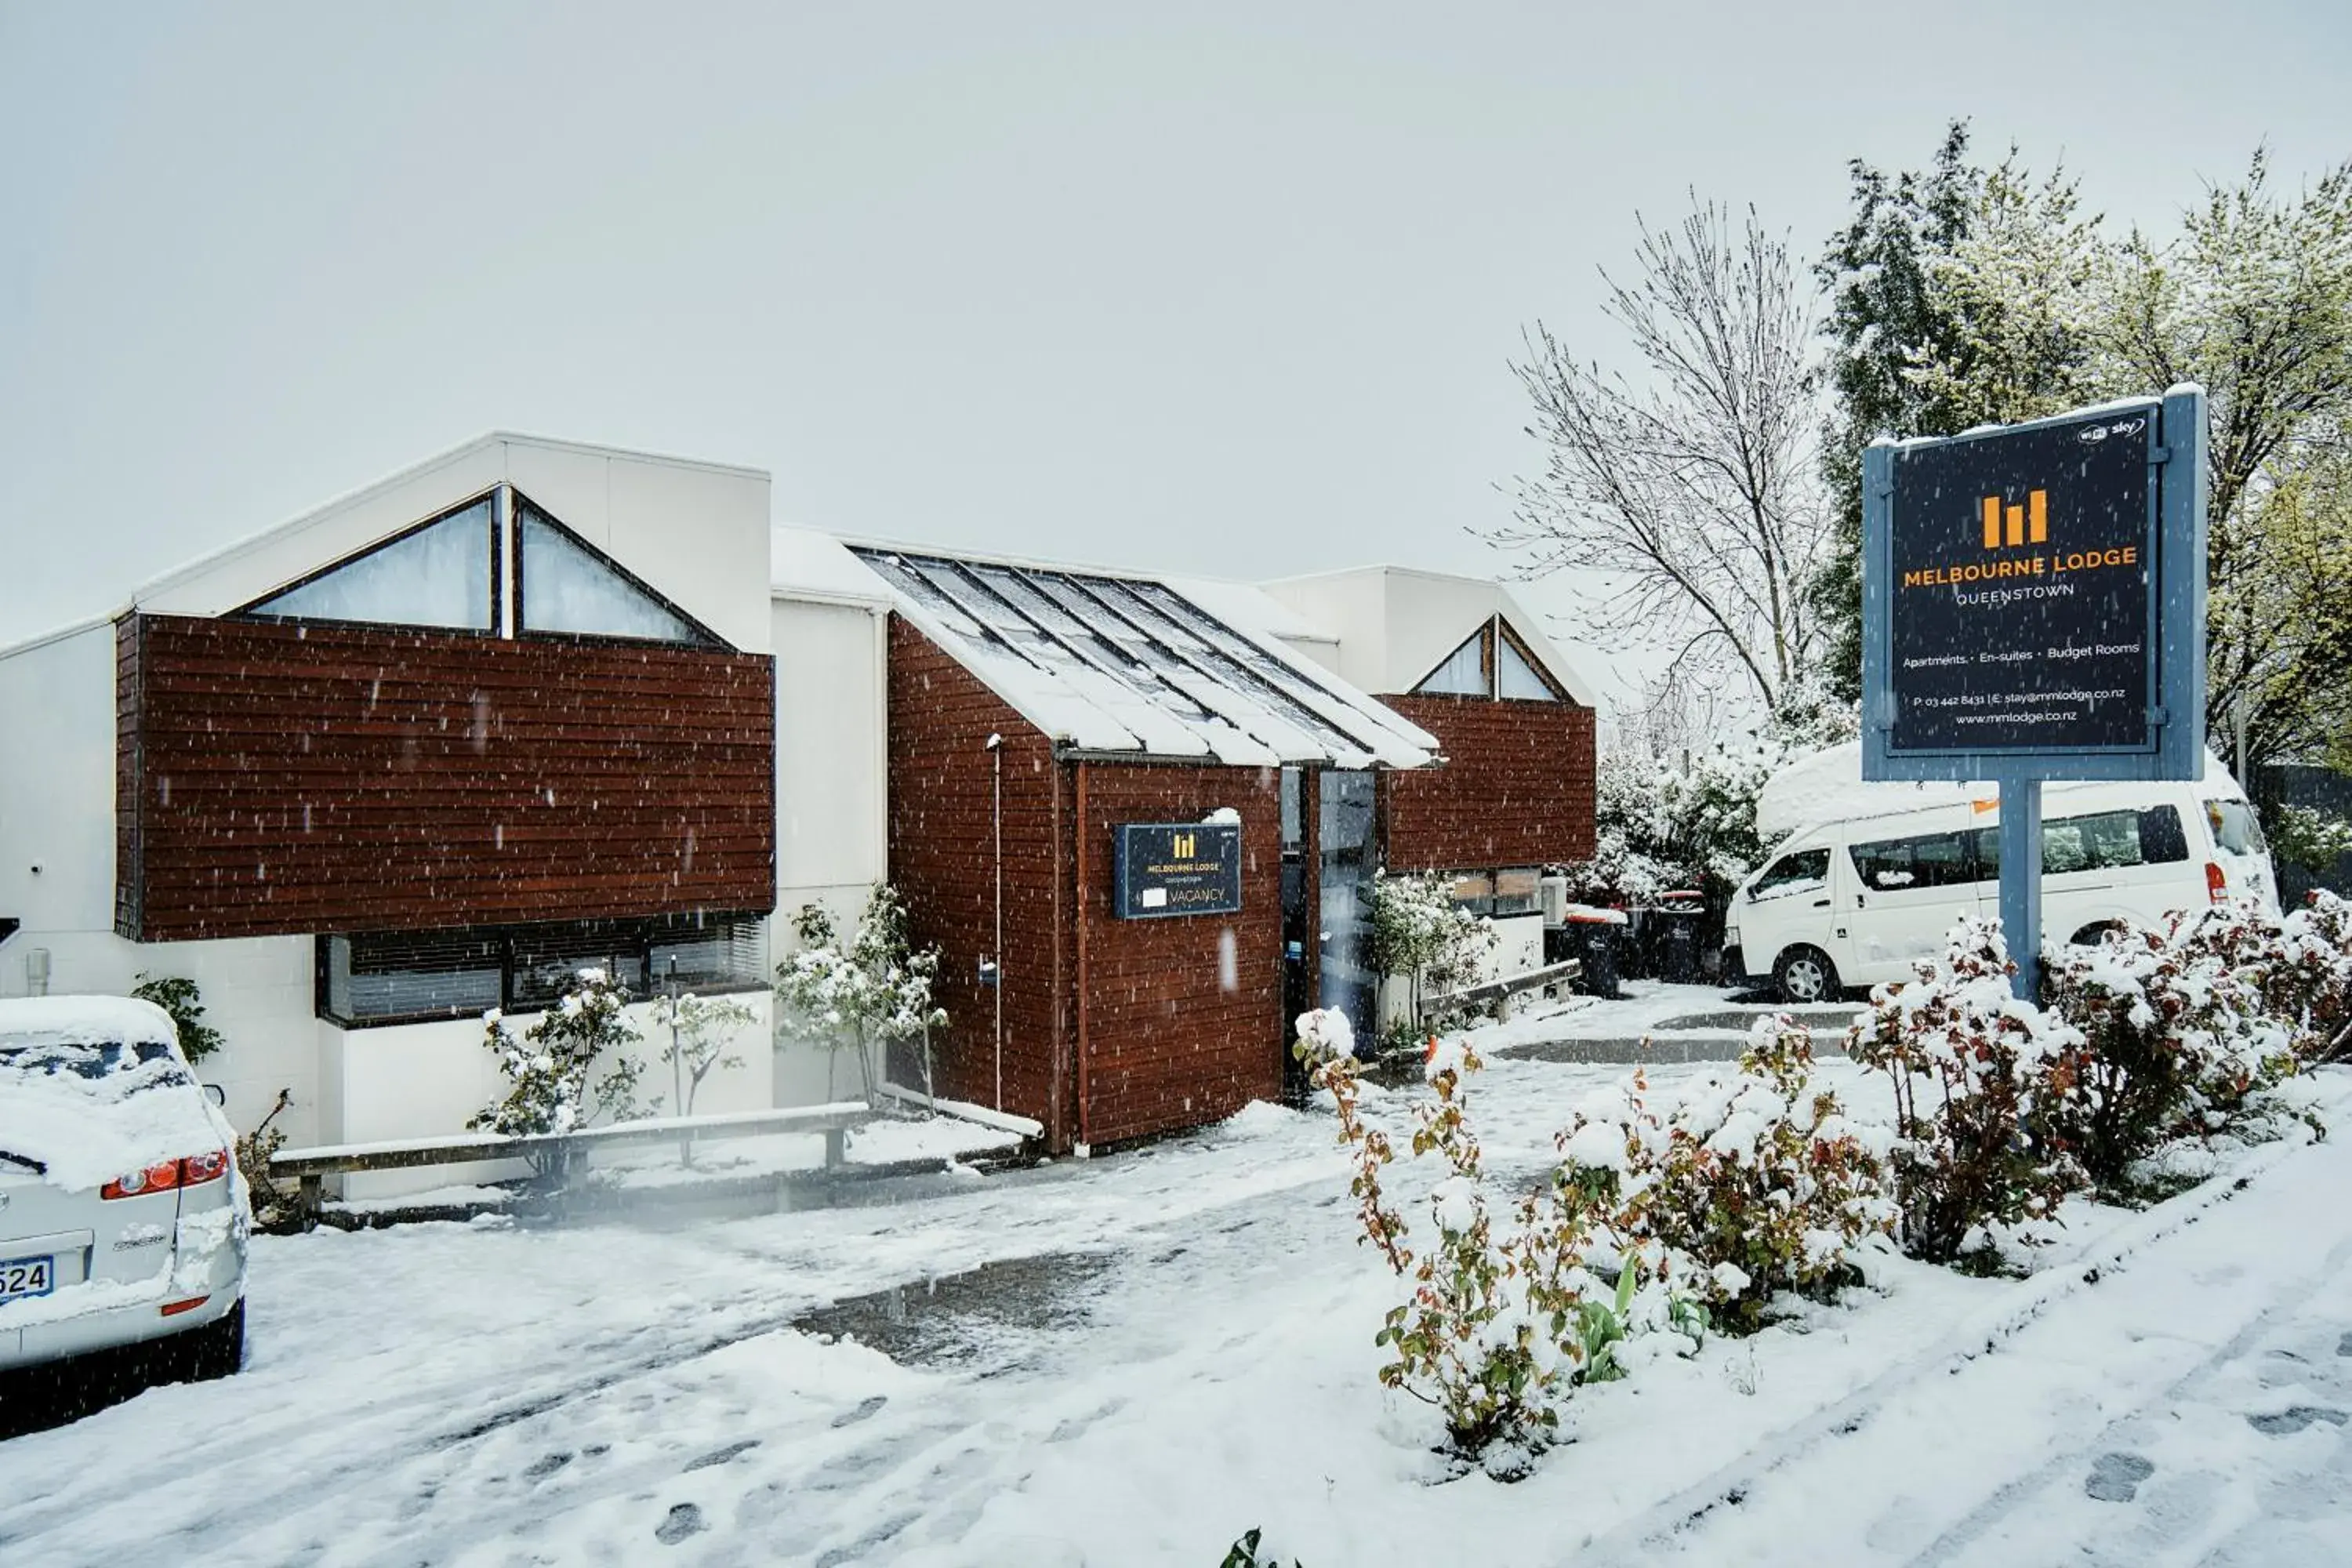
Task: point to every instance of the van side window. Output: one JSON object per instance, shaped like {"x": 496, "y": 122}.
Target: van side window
{"x": 1800, "y": 871}
{"x": 2099, "y": 842}
{"x": 1928, "y": 860}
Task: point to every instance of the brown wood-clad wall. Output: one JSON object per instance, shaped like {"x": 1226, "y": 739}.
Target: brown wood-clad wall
{"x": 1174, "y": 1037}
{"x": 1168, "y": 1044}
{"x": 1516, "y": 789}
{"x": 285, "y": 779}
{"x": 943, "y": 863}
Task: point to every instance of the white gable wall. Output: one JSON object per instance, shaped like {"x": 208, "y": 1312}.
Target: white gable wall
{"x": 1396, "y": 624}
{"x": 697, "y": 532}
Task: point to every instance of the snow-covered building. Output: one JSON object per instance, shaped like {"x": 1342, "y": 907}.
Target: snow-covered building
{"x": 421, "y": 752}
{"x": 1041, "y": 724}
{"x": 531, "y": 706}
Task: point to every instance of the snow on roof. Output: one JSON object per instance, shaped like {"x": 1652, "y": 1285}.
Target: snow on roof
{"x": 1106, "y": 663}
{"x": 1827, "y": 786}
{"x": 808, "y": 563}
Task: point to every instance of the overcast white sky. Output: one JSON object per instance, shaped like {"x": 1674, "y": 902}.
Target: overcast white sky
{"x": 1223, "y": 289}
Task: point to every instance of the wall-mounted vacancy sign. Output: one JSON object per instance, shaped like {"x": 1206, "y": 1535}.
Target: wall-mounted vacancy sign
{"x": 1165, "y": 868}
{"x": 2034, "y": 598}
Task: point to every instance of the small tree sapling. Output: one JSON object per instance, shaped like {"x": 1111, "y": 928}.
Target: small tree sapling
{"x": 873, "y": 991}
{"x": 180, "y": 997}
{"x": 550, "y": 1067}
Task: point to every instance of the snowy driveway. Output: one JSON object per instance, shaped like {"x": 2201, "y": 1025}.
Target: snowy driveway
{"x": 1186, "y": 1354}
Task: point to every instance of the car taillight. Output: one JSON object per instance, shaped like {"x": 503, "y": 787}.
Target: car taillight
{"x": 166, "y": 1174}
{"x": 2217, "y": 883}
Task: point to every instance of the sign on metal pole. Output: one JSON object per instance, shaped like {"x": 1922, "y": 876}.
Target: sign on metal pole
{"x": 2032, "y": 608}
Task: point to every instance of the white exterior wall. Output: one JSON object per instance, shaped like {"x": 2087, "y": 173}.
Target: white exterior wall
{"x": 56, "y": 812}
{"x": 1396, "y": 624}
{"x": 832, "y": 788}
{"x": 411, "y": 1081}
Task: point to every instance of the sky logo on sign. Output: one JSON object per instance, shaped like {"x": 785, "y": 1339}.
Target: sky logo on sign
{"x": 2027, "y": 524}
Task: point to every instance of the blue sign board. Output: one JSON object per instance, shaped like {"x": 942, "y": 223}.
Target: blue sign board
{"x": 1164, "y": 868}
{"x": 2033, "y": 607}
{"x": 2034, "y": 598}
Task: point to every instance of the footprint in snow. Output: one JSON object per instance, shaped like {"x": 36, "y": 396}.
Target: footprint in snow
{"x": 685, "y": 1520}
{"x": 2116, "y": 1478}
{"x": 546, "y": 1465}
{"x": 2293, "y": 1419}
{"x": 850, "y": 1417}
{"x": 720, "y": 1456}
{"x": 2344, "y": 1345}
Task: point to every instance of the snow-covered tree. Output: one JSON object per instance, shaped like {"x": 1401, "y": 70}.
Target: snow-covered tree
{"x": 2253, "y": 299}
{"x": 1693, "y": 484}
{"x": 861, "y": 995}
{"x": 701, "y": 1028}
{"x": 550, "y": 1067}
{"x": 1422, "y": 935}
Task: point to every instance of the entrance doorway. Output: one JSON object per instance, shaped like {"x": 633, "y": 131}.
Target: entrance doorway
{"x": 1344, "y": 839}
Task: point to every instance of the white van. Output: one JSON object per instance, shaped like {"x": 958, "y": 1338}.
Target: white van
{"x": 1849, "y": 903}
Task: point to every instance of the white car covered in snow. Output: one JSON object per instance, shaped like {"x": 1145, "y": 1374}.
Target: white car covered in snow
{"x": 122, "y": 1218}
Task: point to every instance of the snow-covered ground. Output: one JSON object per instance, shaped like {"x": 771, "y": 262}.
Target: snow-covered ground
{"x": 1173, "y": 1346}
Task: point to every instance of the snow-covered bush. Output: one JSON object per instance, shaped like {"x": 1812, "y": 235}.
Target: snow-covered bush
{"x": 1503, "y": 1317}
{"x": 866, "y": 994}
{"x": 549, "y": 1068}
{"x": 2171, "y": 1030}
{"x": 2320, "y": 940}
{"x": 1756, "y": 1183}
{"x": 1420, "y": 934}
{"x": 1479, "y": 1338}
{"x": 1968, "y": 1063}
{"x": 1246, "y": 1553}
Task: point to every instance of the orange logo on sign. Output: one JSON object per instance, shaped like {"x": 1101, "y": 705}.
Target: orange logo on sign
{"x": 2027, "y": 524}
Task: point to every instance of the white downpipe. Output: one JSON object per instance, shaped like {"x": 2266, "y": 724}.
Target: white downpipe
{"x": 996, "y": 823}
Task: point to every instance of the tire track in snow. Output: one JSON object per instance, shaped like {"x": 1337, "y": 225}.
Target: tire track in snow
{"x": 1666, "y": 1526}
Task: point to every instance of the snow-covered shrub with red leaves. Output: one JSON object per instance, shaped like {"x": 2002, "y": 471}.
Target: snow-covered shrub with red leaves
{"x": 1756, "y": 1183}
{"x": 2301, "y": 962}
{"x": 1503, "y": 1318}
{"x": 2319, "y": 937}
{"x": 1969, "y": 1063}
{"x": 2174, "y": 1033}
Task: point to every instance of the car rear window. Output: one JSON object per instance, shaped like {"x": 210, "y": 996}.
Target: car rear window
{"x": 83, "y": 1060}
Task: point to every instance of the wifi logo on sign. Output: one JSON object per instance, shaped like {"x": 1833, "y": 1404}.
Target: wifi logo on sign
{"x": 2010, "y": 524}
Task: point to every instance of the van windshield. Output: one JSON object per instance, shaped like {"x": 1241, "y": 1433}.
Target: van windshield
{"x": 1799, "y": 871}
{"x": 2235, "y": 828}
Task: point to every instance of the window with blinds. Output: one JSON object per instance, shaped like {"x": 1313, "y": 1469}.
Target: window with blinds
{"x": 404, "y": 977}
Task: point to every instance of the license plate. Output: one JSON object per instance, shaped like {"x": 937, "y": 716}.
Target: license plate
{"x": 22, "y": 1277}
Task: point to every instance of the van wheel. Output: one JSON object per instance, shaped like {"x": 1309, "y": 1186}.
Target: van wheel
{"x": 1805, "y": 974}
{"x": 2093, "y": 934}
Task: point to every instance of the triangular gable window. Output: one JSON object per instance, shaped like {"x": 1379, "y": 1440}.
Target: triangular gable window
{"x": 1463, "y": 673}
{"x": 437, "y": 573}
{"x": 563, "y": 585}
{"x": 1516, "y": 675}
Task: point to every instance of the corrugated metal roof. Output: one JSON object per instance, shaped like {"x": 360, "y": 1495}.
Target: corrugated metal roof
{"x": 1123, "y": 663}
